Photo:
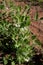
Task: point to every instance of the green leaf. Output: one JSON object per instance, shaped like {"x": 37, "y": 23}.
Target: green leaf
{"x": 0, "y": 44}
{"x": 1, "y": 6}
{"x": 36, "y": 16}
{"x": 33, "y": 37}
{"x": 40, "y": 0}
{"x": 38, "y": 42}
{"x": 5, "y": 60}
{"x": 12, "y": 63}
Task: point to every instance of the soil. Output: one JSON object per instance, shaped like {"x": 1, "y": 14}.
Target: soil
{"x": 36, "y": 27}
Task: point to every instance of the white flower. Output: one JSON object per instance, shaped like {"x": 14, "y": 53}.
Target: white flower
{"x": 17, "y": 25}
{"x": 27, "y": 59}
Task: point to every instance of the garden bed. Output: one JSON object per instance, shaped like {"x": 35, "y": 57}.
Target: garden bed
{"x": 19, "y": 44}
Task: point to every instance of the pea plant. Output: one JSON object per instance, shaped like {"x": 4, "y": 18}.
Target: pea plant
{"x": 15, "y": 36}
